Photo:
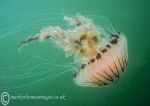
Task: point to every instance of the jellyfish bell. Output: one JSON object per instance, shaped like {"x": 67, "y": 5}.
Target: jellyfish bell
{"x": 107, "y": 65}
{"x": 102, "y": 55}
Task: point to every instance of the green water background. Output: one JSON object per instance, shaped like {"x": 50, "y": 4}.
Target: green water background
{"x": 22, "y": 18}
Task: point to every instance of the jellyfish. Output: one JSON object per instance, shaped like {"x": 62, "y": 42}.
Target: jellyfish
{"x": 102, "y": 55}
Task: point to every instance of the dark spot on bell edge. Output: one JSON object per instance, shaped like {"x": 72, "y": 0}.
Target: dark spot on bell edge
{"x": 116, "y": 35}
{"x": 82, "y": 66}
{"x": 104, "y": 50}
{"x": 92, "y": 60}
{"x": 108, "y": 46}
{"x": 75, "y": 74}
{"x": 114, "y": 41}
{"x": 98, "y": 56}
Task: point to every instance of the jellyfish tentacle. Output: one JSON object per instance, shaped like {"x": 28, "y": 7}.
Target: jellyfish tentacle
{"x": 55, "y": 33}
{"x": 79, "y": 21}
{"x": 27, "y": 41}
{"x": 72, "y": 21}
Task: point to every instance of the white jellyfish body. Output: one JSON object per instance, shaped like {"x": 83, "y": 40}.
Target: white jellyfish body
{"x": 103, "y": 56}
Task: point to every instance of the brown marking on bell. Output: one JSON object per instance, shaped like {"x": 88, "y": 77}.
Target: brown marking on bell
{"x": 104, "y": 50}
{"x": 112, "y": 35}
{"x": 108, "y": 46}
{"x": 104, "y": 77}
{"x": 75, "y": 73}
{"x": 122, "y": 67}
{"x": 92, "y": 60}
{"x": 108, "y": 76}
{"x": 117, "y": 36}
{"x": 83, "y": 66}
{"x": 114, "y": 40}
{"x": 115, "y": 74}
{"x": 98, "y": 56}
{"x": 98, "y": 81}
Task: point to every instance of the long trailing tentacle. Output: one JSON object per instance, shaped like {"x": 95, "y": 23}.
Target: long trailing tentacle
{"x": 55, "y": 33}
{"x": 73, "y": 41}
{"x": 27, "y": 41}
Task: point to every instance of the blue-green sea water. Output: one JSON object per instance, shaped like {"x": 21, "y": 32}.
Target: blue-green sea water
{"x": 41, "y": 69}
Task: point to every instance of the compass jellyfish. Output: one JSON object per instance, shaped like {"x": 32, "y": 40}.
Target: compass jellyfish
{"x": 100, "y": 51}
